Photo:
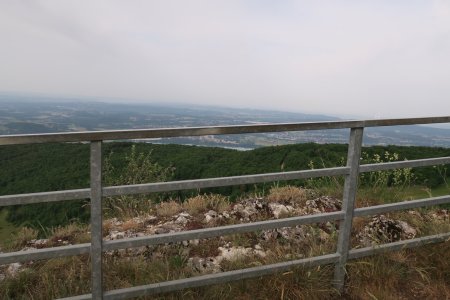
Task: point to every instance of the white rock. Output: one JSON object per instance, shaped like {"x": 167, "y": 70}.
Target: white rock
{"x": 408, "y": 231}
{"x": 181, "y": 220}
{"x": 233, "y": 253}
{"x": 280, "y": 209}
{"x": 184, "y": 214}
{"x": 247, "y": 210}
{"x": 204, "y": 265}
{"x": 13, "y": 269}
{"x": 40, "y": 243}
{"x": 117, "y": 235}
{"x": 28, "y": 248}
{"x": 115, "y": 222}
{"x": 210, "y": 216}
{"x": 260, "y": 253}
{"x": 225, "y": 214}
{"x": 324, "y": 236}
{"x": 271, "y": 234}
{"x": 194, "y": 242}
{"x": 138, "y": 220}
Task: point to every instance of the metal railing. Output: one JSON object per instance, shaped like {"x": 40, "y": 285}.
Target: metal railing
{"x": 96, "y": 191}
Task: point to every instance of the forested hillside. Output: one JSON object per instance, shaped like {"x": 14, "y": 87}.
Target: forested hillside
{"x": 46, "y": 167}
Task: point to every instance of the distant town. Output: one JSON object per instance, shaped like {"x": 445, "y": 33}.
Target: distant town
{"x": 26, "y": 114}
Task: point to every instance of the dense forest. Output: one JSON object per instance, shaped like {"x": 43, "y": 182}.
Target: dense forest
{"x": 47, "y": 167}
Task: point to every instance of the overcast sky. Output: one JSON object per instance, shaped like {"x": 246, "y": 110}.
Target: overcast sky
{"x": 362, "y": 58}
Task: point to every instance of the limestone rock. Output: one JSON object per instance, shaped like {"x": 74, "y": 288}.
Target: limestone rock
{"x": 38, "y": 244}
{"x": 233, "y": 253}
{"x": 323, "y": 204}
{"x": 280, "y": 209}
{"x": 210, "y": 216}
{"x": 116, "y": 235}
{"x": 384, "y": 230}
{"x": 204, "y": 265}
{"x": 249, "y": 208}
{"x": 13, "y": 269}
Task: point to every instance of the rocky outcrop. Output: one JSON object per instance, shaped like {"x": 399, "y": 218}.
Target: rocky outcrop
{"x": 378, "y": 229}
{"x": 382, "y": 229}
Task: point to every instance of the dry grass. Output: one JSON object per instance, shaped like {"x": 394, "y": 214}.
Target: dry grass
{"x": 70, "y": 234}
{"x": 168, "y": 208}
{"x": 420, "y": 273}
{"x": 24, "y": 235}
{"x": 49, "y": 279}
{"x": 132, "y": 225}
{"x": 203, "y": 203}
{"x": 195, "y": 205}
{"x": 287, "y": 194}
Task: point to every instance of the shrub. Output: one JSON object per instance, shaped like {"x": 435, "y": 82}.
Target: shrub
{"x": 387, "y": 178}
{"x": 139, "y": 168}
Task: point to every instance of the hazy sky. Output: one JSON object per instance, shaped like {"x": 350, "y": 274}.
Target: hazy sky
{"x": 363, "y": 58}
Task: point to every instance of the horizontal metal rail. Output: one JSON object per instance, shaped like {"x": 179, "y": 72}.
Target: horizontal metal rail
{"x": 425, "y": 162}
{"x": 20, "y": 199}
{"x": 216, "y": 278}
{"x": 212, "y": 130}
{"x": 45, "y": 253}
{"x": 400, "y": 245}
{"x": 220, "y": 231}
{"x": 221, "y": 181}
{"x": 220, "y": 278}
{"x": 43, "y": 197}
{"x": 79, "y": 297}
{"x": 384, "y": 208}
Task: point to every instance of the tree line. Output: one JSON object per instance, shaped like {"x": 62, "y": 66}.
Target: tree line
{"x": 59, "y": 166}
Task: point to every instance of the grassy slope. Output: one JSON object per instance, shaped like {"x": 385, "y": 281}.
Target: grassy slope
{"x": 421, "y": 273}
{"x": 7, "y": 230}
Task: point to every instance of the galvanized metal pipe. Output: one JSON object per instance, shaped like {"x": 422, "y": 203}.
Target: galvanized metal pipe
{"x": 210, "y": 130}
{"x": 221, "y": 181}
{"x": 96, "y": 219}
{"x": 385, "y": 208}
{"x": 20, "y": 199}
{"x": 220, "y": 231}
{"x": 348, "y": 204}
{"x": 400, "y": 245}
{"x": 218, "y": 278}
{"x": 404, "y": 164}
{"x": 45, "y": 253}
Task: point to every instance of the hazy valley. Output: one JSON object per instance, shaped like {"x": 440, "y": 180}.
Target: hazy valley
{"x": 20, "y": 115}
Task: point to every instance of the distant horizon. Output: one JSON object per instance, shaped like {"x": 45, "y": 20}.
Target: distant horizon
{"x": 124, "y": 101}
{"x": 111, "y": 100}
